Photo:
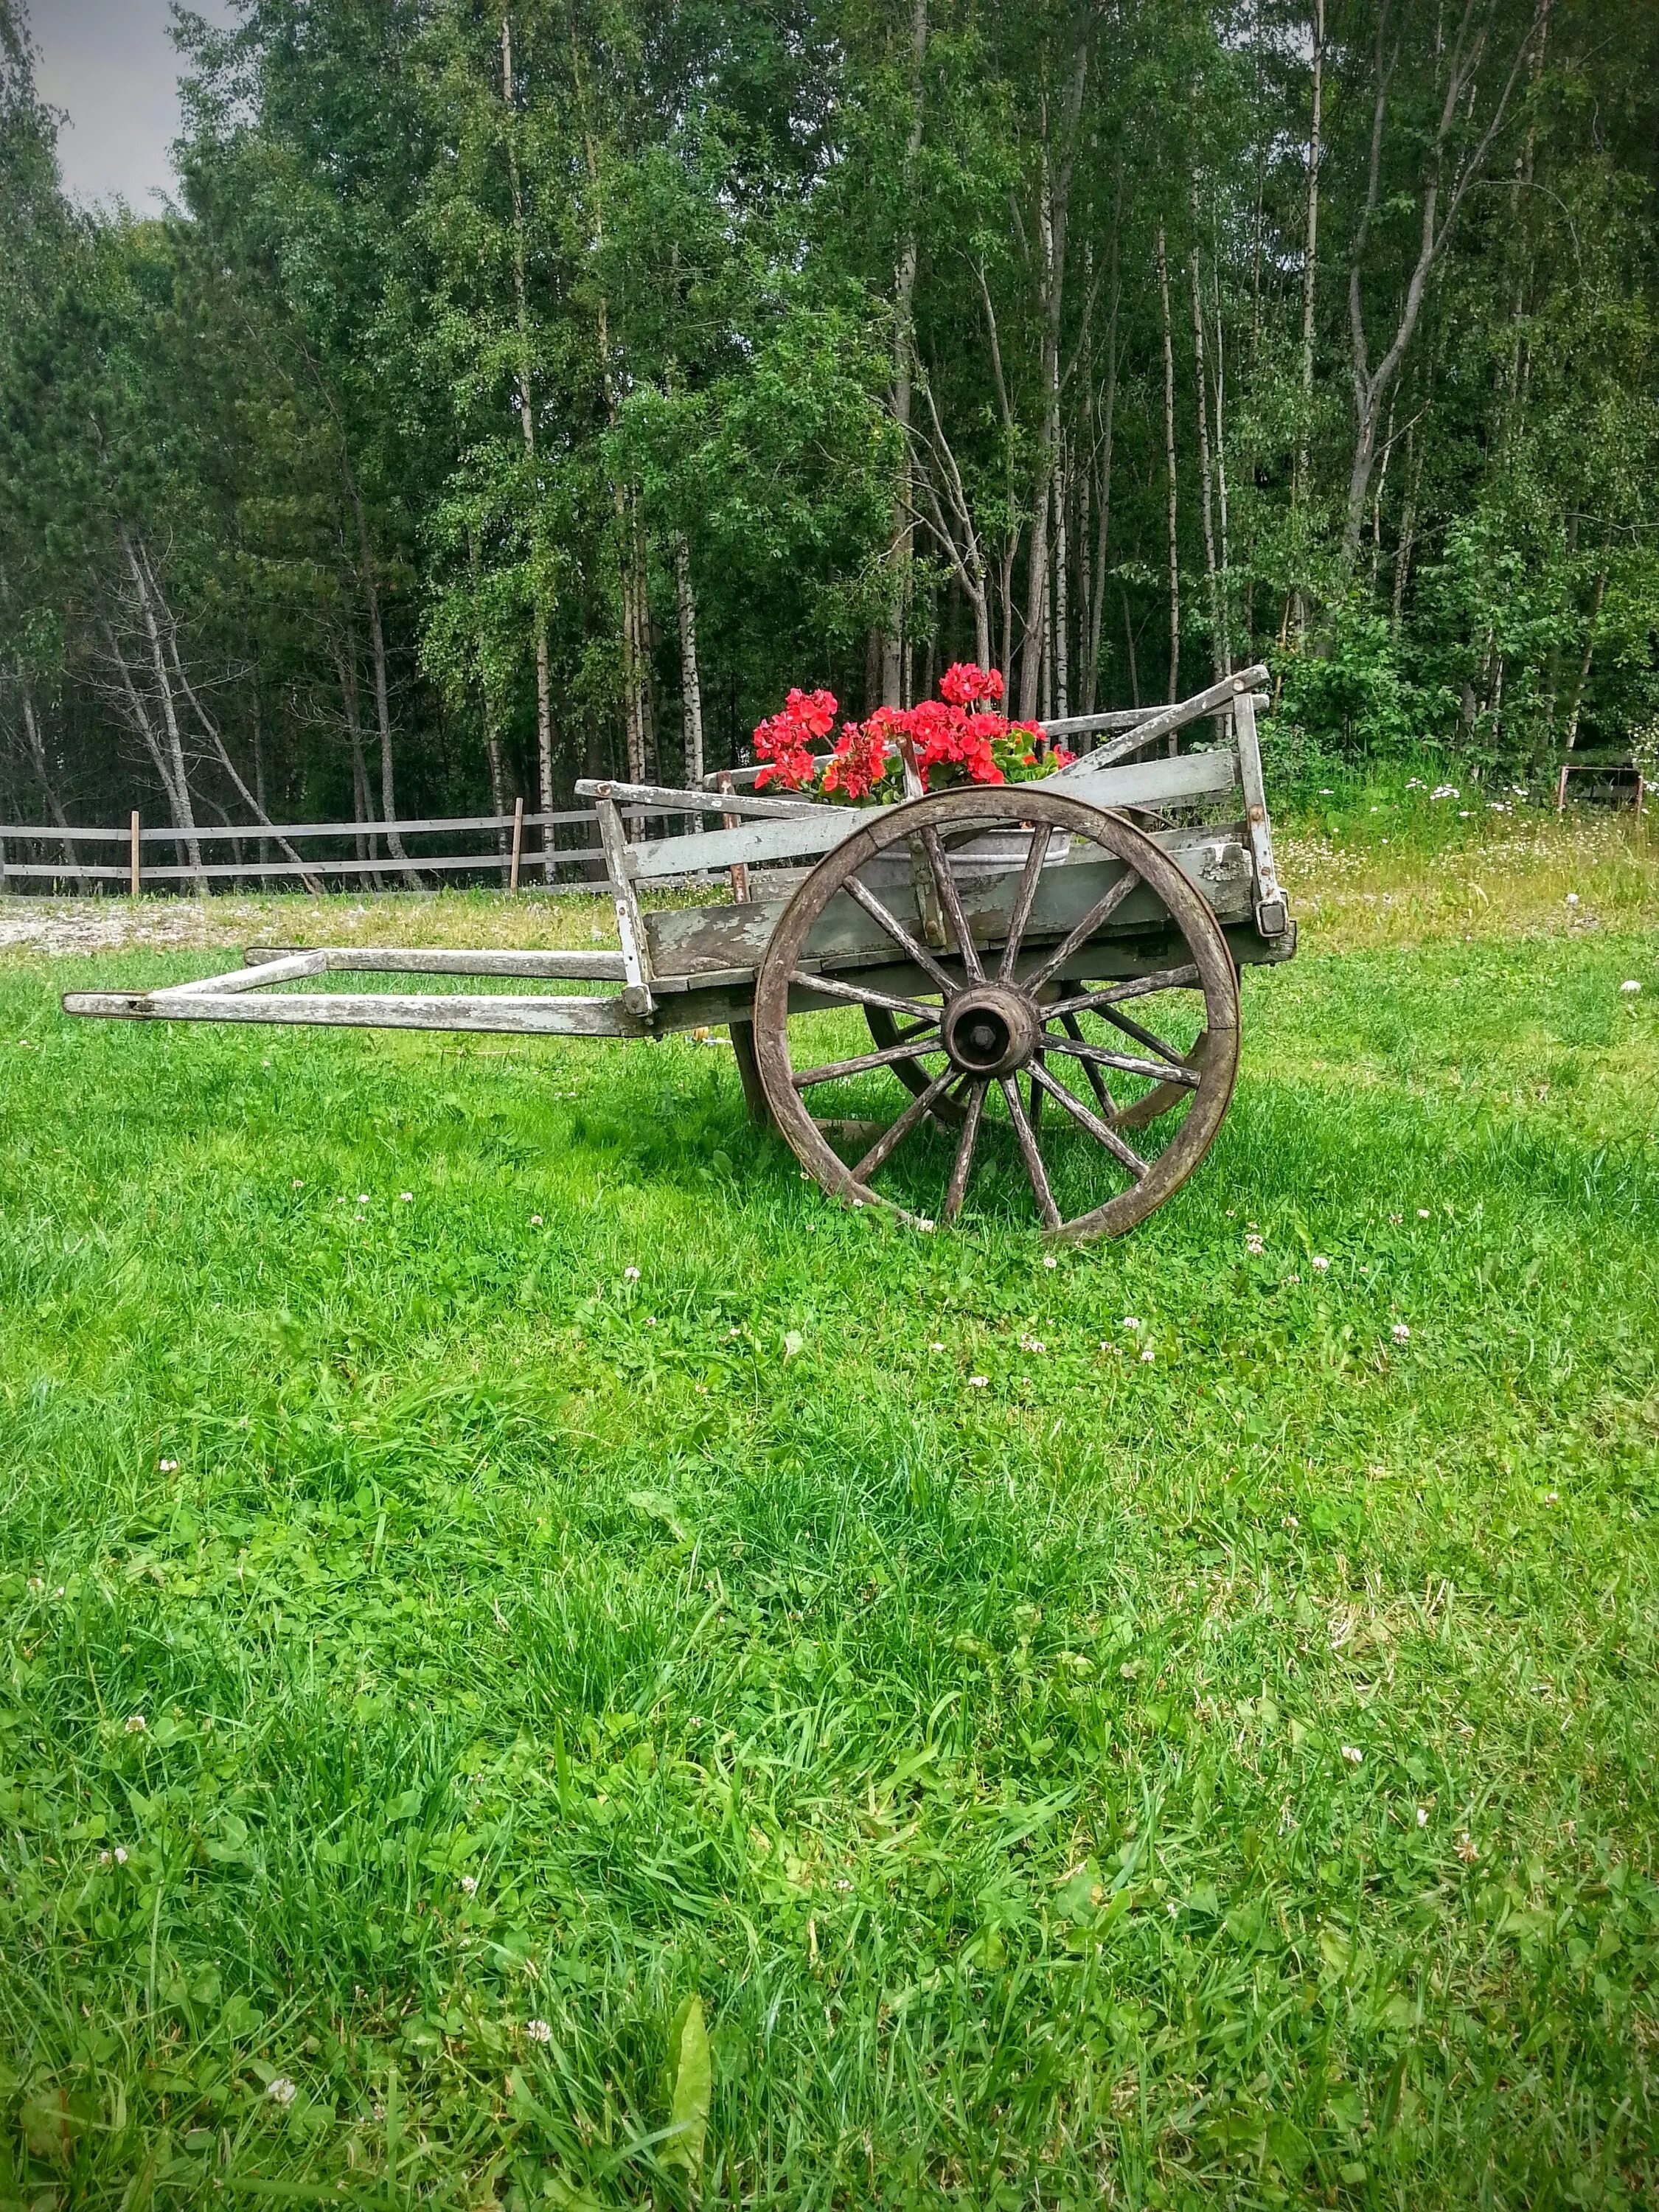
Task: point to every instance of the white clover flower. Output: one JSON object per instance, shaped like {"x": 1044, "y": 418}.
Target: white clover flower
{"x": 1352, "y": 1753}
{"x": 136, "y": 1724}
{"x": 1147, "y": 1355}
{"x": 469, "y": 1885}
{"x": 1445, "y": 791}
{"x": 120, "y": 1855}
{"x": 405, "y": 1198}
{"x": 535, "y": 1221}
{"x": 978, "y": 1381}
{"x": 1400, "y": 1332}
{"x": 1572, "y": 898}
{"x": 282, "y": 2091}
{"x": 1422, "y": 1212}
{"x": 1631, "y": 984}
{"x": 1255, "y": 1247}
{"x": 936, "y": 1347}
{"x": 1320, "y": 1264}
{"x": 1049, "y": 1261}
{"x": 1422, "y": 1816}
{"x": 1032, "y": 1344}
{"x": 630, "y": 1274}
{"x": 538, "y": 2030}
{"x": 362, "y": 1198}
{"x": 167, "y": 1466}
{"x": 298, "y": 1183}
{"x": 1130, "y": 1321}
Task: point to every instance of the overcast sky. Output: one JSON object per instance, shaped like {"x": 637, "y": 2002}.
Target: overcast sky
{"x": 110, "y": 64}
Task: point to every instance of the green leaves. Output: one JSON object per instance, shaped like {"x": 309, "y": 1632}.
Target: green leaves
{"x": 691, "y": 2075}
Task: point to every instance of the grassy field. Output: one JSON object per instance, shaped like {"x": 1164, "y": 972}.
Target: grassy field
{"x": 468, "y": 1711}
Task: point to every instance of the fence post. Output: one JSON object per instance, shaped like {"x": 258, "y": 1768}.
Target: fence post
{"x": 134, "y": 871}
{"x": 518, "y": 841}
{"x": 4, "y": 886}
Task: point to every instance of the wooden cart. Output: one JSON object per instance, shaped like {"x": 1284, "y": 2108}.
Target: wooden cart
{"x": 1038, "y": 977}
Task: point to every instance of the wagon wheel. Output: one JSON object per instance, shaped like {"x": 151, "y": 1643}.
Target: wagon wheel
{"x": 999, "y": 1021}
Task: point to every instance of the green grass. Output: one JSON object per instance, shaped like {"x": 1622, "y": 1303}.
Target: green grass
{"x": 517, "y": 1641}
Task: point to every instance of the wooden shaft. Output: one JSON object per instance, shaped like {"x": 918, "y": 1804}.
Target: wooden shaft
{"x": 135, "y": 870}
{"x": 518, "y": 842}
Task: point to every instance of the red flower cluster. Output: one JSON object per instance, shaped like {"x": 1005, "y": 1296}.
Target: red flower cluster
{"x": 784, "y": 740}
{"x": 947, "y": 743}
{"x": 963, "y": 684}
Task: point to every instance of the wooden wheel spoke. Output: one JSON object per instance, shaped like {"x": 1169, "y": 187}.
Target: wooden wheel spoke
{"x": 891, "y": 1138}
{"x": 1160, "y": 1071}
{"x": 1024, "y": 899}
{"x": 1149, "y": 1038}
{"x": 962, "y": 1166}
{"x": 1183, "y": 978}
{"x": 1099, "y": 914}
{"x": 952, "y": 899}
{"x": 861, "y": 994}
{"x": 1097, "y": 1083}
{"x": 912, "y": 947}
{"x": 1029, "y": 1152}
{"x": 1092, "y": 1121}
{"x": 832, "y": 1070}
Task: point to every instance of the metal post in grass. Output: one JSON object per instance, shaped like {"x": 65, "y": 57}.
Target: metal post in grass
{"x": 134, "y": 868}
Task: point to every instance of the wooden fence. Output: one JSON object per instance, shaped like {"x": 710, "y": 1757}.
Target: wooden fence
{"x": 34, "y": 857}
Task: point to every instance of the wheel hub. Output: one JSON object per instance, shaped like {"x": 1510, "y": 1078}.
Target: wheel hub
{"x": 990, "y": 1030}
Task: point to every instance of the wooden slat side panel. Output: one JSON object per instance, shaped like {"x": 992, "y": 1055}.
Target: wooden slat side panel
{"x": 696, "y": 939}
{"x": 752, "y": 844}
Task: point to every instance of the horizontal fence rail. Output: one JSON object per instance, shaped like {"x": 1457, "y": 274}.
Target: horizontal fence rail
{"x": 258, "y": 861}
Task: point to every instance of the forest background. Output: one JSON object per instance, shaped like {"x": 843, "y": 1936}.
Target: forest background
{"x": 520, "y": 395}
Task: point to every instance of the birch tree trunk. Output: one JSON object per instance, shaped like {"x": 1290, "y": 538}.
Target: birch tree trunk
{"x": 1170, "y": 463}
{"x": 691, "y": 683}
{"x": 1062, "y": 595}
{"x": 38, "y": 761}
{"x": 528, "y": 423}
{"x": 1310, "y": 261}
{"x": 904, "y": 293}
{"x": 362, "y": 799}
{"x": 1102, "y": 525}
{"x": 1220, "y": 657}
{"x": 382, "y": 701}
{"x": 1054, "y": 199}
{"x": 183, "y": 813}
{"x": 1590, "y": 635}
{"x": 492, "y": 736}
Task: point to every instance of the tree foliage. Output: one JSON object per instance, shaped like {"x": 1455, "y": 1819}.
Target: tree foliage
{"x": 513, "y": 388}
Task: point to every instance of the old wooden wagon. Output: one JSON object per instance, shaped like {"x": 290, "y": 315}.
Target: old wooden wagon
{"x": 1046, "y": 972}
